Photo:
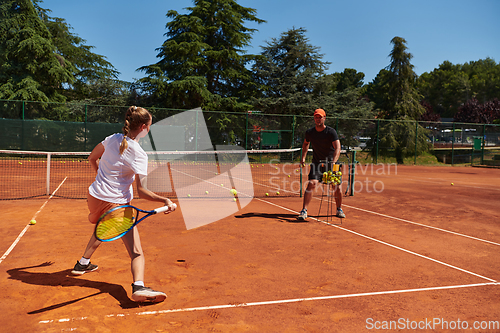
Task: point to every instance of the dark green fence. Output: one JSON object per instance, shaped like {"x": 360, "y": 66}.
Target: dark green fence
{"x": 74, "y": 127}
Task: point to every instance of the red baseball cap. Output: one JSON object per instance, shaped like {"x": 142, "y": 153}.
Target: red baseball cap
{"x": 321, "y": 112}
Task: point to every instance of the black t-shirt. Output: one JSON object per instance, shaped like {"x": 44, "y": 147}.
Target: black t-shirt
{"x": 322, "y": 143}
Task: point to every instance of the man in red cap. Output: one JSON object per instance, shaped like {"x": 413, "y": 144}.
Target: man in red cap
{"x": 326, "y": 151}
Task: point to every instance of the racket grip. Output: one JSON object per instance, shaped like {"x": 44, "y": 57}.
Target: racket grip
{"x": 165, "y": 208}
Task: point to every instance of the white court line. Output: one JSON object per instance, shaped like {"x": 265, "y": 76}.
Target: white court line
{"x": 435, "y": 181}
{"x": 389, "y": 292}
{"x": 388, "y": 244}
{"x": 423, "y": 225}
{"x": 9, "y": 250}
{"x": 283, "y": 301}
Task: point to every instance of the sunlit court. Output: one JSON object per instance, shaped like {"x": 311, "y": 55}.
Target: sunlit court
{"x": 417, "y": 251}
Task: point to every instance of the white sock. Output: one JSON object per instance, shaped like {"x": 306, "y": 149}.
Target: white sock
{"x": 139, "y": 283}
{"x": 84, "y": 261}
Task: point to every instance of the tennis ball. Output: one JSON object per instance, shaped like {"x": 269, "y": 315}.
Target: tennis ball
{"x": 233, "y": 191}
{"x": 278, "y": 193}
{"x": 288, "y": 176}
{"x": 452, "y": 184}
{"x": 189, "y": 195}
{"x": 33, "y": 222}
{"x": 267, "y": 194}
{"x": 234, "y": 199}
{"x": 206, "y": 192}
{"x": 20, "y": 162}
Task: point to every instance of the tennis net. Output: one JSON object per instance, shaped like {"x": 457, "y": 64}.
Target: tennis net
{"x": 259, "y": 173}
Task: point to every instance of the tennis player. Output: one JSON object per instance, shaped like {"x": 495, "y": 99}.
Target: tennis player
{"x": 119, "y": 160}
{"x": 326, "y": 151}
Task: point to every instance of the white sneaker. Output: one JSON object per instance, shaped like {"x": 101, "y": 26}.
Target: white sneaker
{"x": 303, "y": 215}
{"x": 340, "y": 213}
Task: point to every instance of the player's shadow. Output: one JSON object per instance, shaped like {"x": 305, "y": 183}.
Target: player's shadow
{"x": 290, "y": 218}
{"x": 65, "y": 279}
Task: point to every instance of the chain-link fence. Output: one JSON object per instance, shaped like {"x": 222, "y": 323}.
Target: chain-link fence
{"x": 71, "y": 127}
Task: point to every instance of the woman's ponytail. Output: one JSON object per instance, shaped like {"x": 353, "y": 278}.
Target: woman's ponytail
{"x": 134, "y": 118}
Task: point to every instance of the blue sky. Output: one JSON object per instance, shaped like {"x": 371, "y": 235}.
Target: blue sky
{"x": 350, "y": 33}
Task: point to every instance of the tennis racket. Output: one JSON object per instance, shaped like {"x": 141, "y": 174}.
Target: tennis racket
{"x": 117, "y": 221}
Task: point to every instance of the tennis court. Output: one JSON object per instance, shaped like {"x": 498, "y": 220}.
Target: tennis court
{"x": 414, "y": 252}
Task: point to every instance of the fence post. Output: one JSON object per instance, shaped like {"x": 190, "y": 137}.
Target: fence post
{"x": 416, "y": 141}
{"x": 484, "y": 143}
{"x": 85, "y": 144}
{"x": 376, "y": 141}
{"x": 22, "y": 127}
{"x": 246, "y": 132}
{"x": 453, "y": 145}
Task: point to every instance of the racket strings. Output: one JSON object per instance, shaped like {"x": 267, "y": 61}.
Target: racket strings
{"x": 115, "y": 223}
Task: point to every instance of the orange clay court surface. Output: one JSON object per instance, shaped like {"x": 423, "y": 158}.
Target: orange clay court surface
{"x": 414, "y": 251}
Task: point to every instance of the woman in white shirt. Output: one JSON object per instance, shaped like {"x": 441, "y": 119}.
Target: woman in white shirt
{"x": 121, "y": 162}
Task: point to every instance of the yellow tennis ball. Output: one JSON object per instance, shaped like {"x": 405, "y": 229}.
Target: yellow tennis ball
{"x": 189, "y": 195}
{"x": 206, "y": 192}
{"x": 288, "y": 176}
{"x": 234, "y": 199}
{"x": 33, "y": 222}
{"x": 233, "y": 191}
{"x": 278, "y": 193}
{"x": 452, "y": 184}
{"x": 267, "y": 194}
{"x": 20, "y": 162}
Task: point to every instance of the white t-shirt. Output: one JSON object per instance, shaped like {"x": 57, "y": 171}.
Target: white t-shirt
{"x": 116, "y": 172}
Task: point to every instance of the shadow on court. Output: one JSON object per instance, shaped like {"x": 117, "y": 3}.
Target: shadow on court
{"x": 281, "y": 217}
{"x": 65, "y": 279}
{"x": 290, "y": 218}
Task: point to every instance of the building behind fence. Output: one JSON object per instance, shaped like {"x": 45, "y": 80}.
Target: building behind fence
{"x": 72, "y": 127}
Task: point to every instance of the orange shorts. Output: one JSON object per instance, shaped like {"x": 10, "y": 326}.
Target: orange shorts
{"x": 98, "y": 207}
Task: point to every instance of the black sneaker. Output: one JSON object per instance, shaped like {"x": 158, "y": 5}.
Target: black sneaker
{"x": 145, "y": 294}
{"x": 80, "y": 269}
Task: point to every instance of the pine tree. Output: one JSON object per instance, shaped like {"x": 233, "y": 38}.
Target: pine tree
{"x": 290, "y": 76}
{"x": 30, "y": 69}
{"x": 398, "y": 99}
{"x": 203, "y": 61}
{"x": 42, "y": 60}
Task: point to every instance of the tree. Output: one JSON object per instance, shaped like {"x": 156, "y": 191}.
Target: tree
{"x": 203, "y": 62}
{"x": 450, "y": 86}
{"x": 41, "y": 60}
{"x": 400, "y": 101}
{"x": 429, "y": 114}
{"x": 88, "y": 69}
{"x": 348, "y": 79}
{"x": 475, "y": 112}
{"x": 290, "y": 76}
{"x": 30, "y": 69}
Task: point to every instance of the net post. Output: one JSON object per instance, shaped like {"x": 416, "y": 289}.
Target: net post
{"x": 352, "y": 170}
{"x": 48, "y": 174}
{"x": 301, "y": 188}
